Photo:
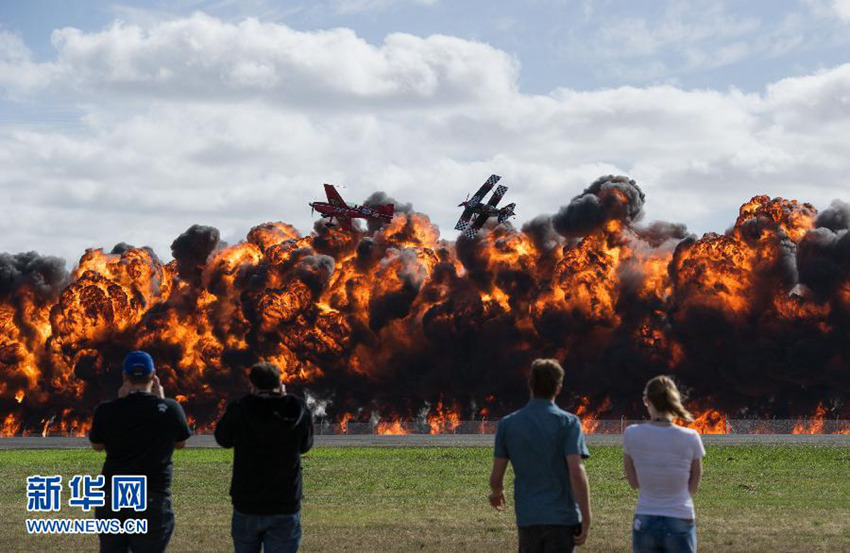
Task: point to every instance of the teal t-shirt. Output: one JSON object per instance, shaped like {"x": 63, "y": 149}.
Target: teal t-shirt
{"x": 537, "y": 439}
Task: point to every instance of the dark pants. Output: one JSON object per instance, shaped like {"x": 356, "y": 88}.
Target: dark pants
{"x": 275, "y": 533}
{"x": 160, "y": 517}
{"x": 655, "y": 534}
{"x": 546, "y": 538}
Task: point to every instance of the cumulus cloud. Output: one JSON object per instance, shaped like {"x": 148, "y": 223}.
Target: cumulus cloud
{"x": 839, "y": 9}
{"x": 842, "y": 9}
{"x": 355, "y": 6}
{"x": 229, "y": 124}
{"x": 18, "y": 73}
{"x": 205, "y": 58}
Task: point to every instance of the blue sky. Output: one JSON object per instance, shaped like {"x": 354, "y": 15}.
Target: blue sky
{"x": 129, "y": 122}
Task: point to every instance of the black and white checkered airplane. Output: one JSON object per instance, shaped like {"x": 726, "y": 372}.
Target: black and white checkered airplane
{"x": 473, "y": 206}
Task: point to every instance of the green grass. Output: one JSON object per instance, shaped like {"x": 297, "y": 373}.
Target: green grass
{"x": 754, "y": 498}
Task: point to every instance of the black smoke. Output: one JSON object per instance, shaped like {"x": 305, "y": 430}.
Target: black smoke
{"x": 609, "y": 198}
{"x": 45, "y": 275}
{"x": 381, "y": 198}
{"x": 192, "y": 249}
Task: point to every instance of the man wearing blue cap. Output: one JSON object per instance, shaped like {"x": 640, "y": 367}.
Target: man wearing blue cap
{"x": 139, "y": 431}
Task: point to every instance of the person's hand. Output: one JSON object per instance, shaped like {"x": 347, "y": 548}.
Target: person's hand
{"x": 156, "y": 389}
{"x": 585, "y": 531}
{"x": 124, "y": 389}
{"x": 497, "y": 500}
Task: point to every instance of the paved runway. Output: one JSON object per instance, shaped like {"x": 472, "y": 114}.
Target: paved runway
{"x": 455, "y": 440}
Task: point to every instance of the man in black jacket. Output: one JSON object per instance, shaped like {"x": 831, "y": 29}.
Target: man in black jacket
{"x": 139, "y": 431}
{"x": 269, "y": 430}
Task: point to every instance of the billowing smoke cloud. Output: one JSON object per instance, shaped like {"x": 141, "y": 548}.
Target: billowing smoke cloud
{"x": 192, "y": 249}
{"x": 836, "y": 217}
{"x": 610, "y": 198}
{"x": 542, "y": 232}
{"x": 824, "y": 253}
{"x": 824, "y": 261}
{"x": 315, "y": 271}
{"x": 44, "y": 275}
{"x": 381, "y": 198}
{"x": 659, "y": 232}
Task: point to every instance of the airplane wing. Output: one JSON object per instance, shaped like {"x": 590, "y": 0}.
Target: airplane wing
{"x": 333, "y": 196}
{"x": 463, "y": 222}
{"x": 486, "y": 187}
{"x": 476, "y": 224}
{"x": 497, "y": 195}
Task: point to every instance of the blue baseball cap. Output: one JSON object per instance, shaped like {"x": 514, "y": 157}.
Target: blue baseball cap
{"x": 138, "y": 363}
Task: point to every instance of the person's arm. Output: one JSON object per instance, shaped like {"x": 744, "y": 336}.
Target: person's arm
{"x": 500, "y": 465}
{"x": 696, "y": 476}
{"x": 497, "y": 483}
{"x": 581, "y": 493}
{"x": 307, "y": 436}
{"x": 224, "y": 428}
{"x": 629, "y": 469}
{"x": 96, "y": 431}
{"x": 696, "y": 464}
{"x": 575, "y": 450}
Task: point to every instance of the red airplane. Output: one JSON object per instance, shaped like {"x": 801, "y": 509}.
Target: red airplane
{"x": 336, "y": 208}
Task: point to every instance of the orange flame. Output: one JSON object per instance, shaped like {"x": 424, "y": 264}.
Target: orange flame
{"x": 709, "y": 422}
{"x": 813, "y": 425}
{"x": 343, "y": 422}
{"x": 443, "y": 421}
{"x": 589, "y": 419}
{"x": 393, "y": 428}
{"x": 10, "y": 427}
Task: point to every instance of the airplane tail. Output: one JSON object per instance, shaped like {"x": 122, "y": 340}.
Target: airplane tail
{"x": 386, "y": 210}
{"x": 505, "y": 212}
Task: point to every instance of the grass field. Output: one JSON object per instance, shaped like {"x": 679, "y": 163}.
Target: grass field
{"x": 754, "y": 498}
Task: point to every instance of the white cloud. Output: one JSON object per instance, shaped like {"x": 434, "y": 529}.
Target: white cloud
{"x": 842, "y": 9}
{"x": 197, "y": 120}
{"x": 835, "y": 8}
{"x": 208, "y": 58}
{"x": 356, "y": 6}
{"x": 18, "y": 73}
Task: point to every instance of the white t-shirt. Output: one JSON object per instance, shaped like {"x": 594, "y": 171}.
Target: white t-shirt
{"x": 662, "y": 456}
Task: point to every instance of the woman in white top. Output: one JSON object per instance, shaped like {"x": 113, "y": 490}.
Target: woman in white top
{"x": 664, "y": 462}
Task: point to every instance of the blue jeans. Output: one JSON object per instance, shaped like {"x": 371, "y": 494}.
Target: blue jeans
{"x": 654, "y": 534}
{"x": 275, "y": 533}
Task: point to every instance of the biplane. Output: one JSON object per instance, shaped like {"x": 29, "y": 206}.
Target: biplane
{"x": 473, "y": 207}
{"x": 336, "y": 208}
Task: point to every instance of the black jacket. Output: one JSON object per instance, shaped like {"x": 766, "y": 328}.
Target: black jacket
{"x": 269, "y": 433}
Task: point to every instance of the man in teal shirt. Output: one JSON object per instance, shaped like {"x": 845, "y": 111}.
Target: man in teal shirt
{"x": 546, "y": 446}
